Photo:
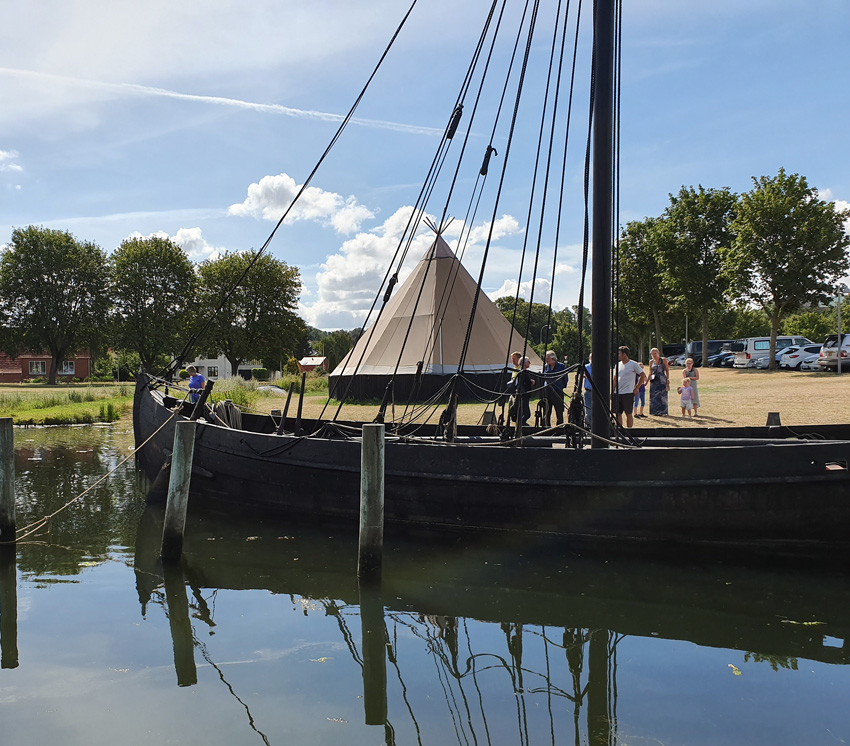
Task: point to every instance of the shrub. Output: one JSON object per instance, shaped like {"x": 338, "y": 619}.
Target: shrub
{"x": 183, "y": 374}
{"x": 291, "y": 368}
{"x": 260, "y": 374}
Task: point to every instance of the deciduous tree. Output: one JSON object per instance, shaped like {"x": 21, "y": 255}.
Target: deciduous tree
{"x": 154, "y": 290}
{"x": 699, "y": 223}
{"x": 258, "y": 318}
{"x": 790, "y": 248}
{"x": 53, "y": 294}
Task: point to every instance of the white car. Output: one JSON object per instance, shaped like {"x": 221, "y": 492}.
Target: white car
{"x": 794, "y": 356}
{"x": 811, "y": 363}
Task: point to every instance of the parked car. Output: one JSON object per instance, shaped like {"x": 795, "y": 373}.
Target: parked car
{"x": 678, "y": 360}
{"x": 794, "y": 356}
{"x": 723, "y": 360}
{"x": 762, "y": 362}
{"x": 754, "y": 348}
{"x": 715, "y": 347}
{"x": 830, "y": 353}
{"x": 811, "y": 363}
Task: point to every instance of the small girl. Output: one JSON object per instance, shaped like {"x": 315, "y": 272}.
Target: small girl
{"x": 687, "y": 394}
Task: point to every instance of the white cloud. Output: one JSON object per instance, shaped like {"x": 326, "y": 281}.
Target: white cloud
{"x": 348, "y": 281}
{"x": 7, "y": 161}
{"x": 272, "y": 195}
{"x": 541, "y": 290}
{"x": 190, "y": 240}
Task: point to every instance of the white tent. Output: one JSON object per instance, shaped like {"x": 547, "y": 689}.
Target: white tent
{"x": 426, "y": 320}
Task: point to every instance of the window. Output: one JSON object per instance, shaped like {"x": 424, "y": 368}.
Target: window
{"x": 212, "y": 371}
{"x": 761, "y": 344}
{"x": 67, "y": 368}
{"x": 38, "y": 368}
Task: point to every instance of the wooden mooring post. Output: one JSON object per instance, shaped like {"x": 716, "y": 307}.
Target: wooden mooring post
{"x": 370, "y": 548}
{"x": 178, "y": 490}
{"x": 180, "y": 623}
{"x": 7, "y": 480}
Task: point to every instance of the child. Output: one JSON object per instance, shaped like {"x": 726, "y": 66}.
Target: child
{"x": 687, "y": 394}
{"x": 640, "y": 398}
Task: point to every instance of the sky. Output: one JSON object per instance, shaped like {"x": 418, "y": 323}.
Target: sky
{"x": 201, "y": 121}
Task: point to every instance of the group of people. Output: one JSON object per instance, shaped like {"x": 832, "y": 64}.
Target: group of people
{"x": 631, "y": 387}
{"x": 632, "y": 381}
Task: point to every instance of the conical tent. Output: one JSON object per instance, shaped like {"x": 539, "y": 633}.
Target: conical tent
{"x": 426, "y": 320}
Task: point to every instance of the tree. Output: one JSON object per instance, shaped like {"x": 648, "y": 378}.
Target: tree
{"x": 258, "y": 318}
{"x": 154, "y": 290}
{"x": 789, "y": 250}
{"x": 643, "y": 296}
{"x": 534, "y": 327}
{"x": 336, "y": 346}
{"x": 54, "y": 291}
{"x": 699, "y": 223}
{"x": 816, "y": 324}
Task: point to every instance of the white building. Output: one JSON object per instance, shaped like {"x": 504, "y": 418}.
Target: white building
{"x": 218, "y": 367}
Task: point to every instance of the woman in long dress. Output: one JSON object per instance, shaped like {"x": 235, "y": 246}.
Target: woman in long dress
{"x": 692, "y": 373}
{"x": 659, "y": 383}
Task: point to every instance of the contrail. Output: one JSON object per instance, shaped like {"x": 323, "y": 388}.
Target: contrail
{"x": 134, "y": 89}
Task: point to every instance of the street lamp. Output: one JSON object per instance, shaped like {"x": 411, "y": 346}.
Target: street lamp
{"x": 840, "y": 290}
{"x": 545, "y": 326}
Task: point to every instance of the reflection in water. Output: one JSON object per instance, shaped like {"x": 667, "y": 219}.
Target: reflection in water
{"x": 459, "y": 620}
{"x": 505, "y": 642}
{"x": 8, "y": 608}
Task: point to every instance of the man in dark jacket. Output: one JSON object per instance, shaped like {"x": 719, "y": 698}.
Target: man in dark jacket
{"x": 554, "y": 382}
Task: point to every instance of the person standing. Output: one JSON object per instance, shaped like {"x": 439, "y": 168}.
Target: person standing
{"x": 554, "y": 382}
{"x": 630, "y": 376}
{"x": 687, "y": 396}
{"x": 588, "y": 390}
{"x": 196, "y": 383}
{"x": 659, "y": 383}
{"x": 692, "y": 374}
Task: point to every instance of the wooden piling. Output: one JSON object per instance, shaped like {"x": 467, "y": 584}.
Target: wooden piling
{"x": 371, "y": 545}
{"x": 282, "y": 426}
{"x": 7, "y": 480}
{"x": 178, "y": 490}
{"x": 773, "y": 419}
{"x": 8, "y": 607}
{"x": 298, "y": 431}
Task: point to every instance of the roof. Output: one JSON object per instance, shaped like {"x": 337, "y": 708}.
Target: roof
{"x": 312, "y": 360}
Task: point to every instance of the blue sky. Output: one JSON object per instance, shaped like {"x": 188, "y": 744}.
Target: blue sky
{"x": 200, "y": 121}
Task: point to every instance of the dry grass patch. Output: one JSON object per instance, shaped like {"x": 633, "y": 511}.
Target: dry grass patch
{"x": 728, "y": 397}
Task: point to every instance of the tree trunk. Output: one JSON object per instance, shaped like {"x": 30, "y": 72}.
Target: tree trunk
{"x": 774, "y": 330}
{"x": 656, "y": 317}
{"x": 234, "y": 365}
{"x": 704, "y": 360}
{"x": 55, "y": 358}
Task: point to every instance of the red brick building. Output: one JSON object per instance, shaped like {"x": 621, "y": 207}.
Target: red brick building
{"x": 30, "y": 366}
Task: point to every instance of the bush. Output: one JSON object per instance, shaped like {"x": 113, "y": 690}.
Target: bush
{"x": 260, "y": 374}
{"x": 183, "y": 374}
{"x": 291, "y": 368}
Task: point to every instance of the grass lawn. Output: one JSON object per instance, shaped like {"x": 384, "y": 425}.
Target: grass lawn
{"x": 64, "y": 404}
{"x": 728, "y": 397}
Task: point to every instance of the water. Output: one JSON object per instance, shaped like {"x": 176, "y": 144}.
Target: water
{"x": 258, "y": 637}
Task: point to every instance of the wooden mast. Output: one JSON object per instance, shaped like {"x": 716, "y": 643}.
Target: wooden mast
{"x": 602, "y": 238}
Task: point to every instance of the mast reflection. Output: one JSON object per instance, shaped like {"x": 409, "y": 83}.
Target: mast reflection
{"x": 516, "y": 647}
{"x": 8, "y": 607}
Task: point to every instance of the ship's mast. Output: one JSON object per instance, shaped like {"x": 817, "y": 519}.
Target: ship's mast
{"x": 602, "y": 221}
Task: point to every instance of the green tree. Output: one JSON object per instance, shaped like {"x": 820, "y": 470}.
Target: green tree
{"x": 54, "y": 291}
{"x": 258, "y": 318}
{"x": 789, "y": 250}
{"x": 540, "y": 318}
{"x": 699, "y": 223}
{"x": 154, "y": 291}
{"x": 566, "y": 342}
{"x": 336, "y": 346}
{"x": 814, "y": 324}
{"x": 642, "y": 292}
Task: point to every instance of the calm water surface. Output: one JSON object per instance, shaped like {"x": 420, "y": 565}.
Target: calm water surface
{"x": 261, "y": 635}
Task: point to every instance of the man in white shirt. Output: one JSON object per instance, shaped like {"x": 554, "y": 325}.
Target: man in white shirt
{"x": 630, "y": 377}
